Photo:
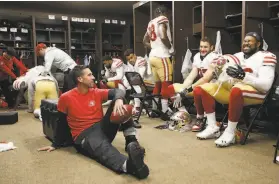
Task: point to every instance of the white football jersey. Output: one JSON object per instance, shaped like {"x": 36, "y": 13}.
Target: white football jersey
{"x": 158, "y": 49}
{"x": 203, "y": 65}
{"x": 116, "y": 70}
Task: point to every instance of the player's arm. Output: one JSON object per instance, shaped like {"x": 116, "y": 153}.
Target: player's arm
{"x": 207, "y": 77}
{"x": 142, "y": 67}
{"x": 20, "y": 65}
{"x": 262, "y": 82}
{"x": 107, "y": 73}
{"x": 49, "y": 58}
{"x": 7, "y": 70}
{"x": 119, "y": 74}
{"x": 164, "y": 36}
{"x": 146, "y": 40}
{"x": 191, "y": 77}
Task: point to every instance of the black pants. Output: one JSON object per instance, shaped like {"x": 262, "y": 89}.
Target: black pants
{"x": 69, "y": 82}
{"x": 8, "y": 92}
{"x": 95, "y": 142}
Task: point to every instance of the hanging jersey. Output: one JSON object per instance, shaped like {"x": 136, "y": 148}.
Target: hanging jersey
{"x": 158, "y": 49}
{"x": 203, "y": 65}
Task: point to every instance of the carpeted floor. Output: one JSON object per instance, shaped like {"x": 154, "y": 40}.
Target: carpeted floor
{"x": 172, "y": 158}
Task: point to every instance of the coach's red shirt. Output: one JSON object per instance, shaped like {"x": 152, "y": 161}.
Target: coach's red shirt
{"x": 83, "y": 110}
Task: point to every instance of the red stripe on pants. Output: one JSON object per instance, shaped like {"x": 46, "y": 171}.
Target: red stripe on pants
{"x": 235, "y": 104}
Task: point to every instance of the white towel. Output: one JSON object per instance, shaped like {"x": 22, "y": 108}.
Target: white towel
{"x": 7, "y": 146}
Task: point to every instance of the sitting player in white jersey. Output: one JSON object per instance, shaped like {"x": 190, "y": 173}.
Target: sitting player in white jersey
{"x": 158, "y": 39}
{"x": 114, "y": 73}
{"x": 243, "y": 81}
{"x": 137, "y": 64}
{"x": 201, "y": 63}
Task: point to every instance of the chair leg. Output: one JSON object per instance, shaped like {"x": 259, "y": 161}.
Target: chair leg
{"x": 223, "y": 120}
{"x": 243, "y": 142}
{"x": 276, "y": 149}
{"x": 157, "y": 104}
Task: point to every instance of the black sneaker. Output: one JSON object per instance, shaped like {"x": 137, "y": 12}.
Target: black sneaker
{"x": 199, "y": 125}
{"x": 135, "y": 162}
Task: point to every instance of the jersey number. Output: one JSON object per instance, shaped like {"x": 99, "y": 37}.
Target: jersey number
{"x": 152, "y": 35}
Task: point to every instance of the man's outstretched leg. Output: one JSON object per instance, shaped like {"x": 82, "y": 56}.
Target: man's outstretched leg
{"x": 97, "y": 143}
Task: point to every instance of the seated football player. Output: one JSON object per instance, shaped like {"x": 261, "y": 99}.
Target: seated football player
{"x": 39, "y": 87}
{"x": 245, "y": 81}
{"x": 200, "y": 65}
{"x": 92, "y": 132}
{"x": 137, "y": 64}
{"x": 114, "y": 73}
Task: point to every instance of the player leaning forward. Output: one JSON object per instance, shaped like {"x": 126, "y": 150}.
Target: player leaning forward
{"x": 158, "y": 38}
{"x": 245, "y": 80}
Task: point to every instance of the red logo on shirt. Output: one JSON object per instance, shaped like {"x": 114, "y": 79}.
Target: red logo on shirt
{"x": 91, "y": 103}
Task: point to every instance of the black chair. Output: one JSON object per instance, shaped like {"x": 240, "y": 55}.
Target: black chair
{"x": 134, "y": 80}
{"x": 259, "y": 107}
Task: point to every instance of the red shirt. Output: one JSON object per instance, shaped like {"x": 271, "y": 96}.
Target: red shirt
{"x": 83, "y": 110}
{"x": 7, "y": 66}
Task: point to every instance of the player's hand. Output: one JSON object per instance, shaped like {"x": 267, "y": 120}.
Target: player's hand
{"x": 177, "y": 101}
{"x": 183, "y": 93}
{"x": 47, "y": 149}
{"x": 119, "y": 107}
{"x": 104, "y": 80}
{"x": 237, "y": 73}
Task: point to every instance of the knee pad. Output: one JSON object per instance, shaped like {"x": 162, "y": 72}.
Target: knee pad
{"x": 164, "y": 90}
{"x": 197, "y": 90}
{"x": 157, "y": 88}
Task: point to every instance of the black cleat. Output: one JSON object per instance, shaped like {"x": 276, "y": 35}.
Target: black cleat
{"x": 135, "y": 162}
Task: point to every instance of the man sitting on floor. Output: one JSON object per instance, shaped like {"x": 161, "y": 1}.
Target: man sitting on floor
{"x": 244, "y": 81}
{"x": 92, "y": 132}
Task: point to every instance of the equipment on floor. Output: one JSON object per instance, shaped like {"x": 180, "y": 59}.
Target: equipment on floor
{"x": 7, "y": 118}
{"x": 51, "y": 122}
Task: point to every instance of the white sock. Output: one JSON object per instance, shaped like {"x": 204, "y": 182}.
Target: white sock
{"x": 211, "y": 119}
{"x": 137, "y": 102}
{"x": 200, "y": 116}
{"x": 231, "y": 127}
{"x": 183, "y": 109}
{"x": 154, "y": 106}
{"x": 165, "y": 105}
{"x": 124, "y": 166}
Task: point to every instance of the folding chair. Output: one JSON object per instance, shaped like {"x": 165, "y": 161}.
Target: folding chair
{"x": 135, "y": 80}
{"x": 258, "y": 107}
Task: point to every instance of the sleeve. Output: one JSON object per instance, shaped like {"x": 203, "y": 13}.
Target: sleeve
{"x": 107, "y": 73}
{"x": 49, "y": 58}
{"x": 62, "y": 104}
{"x": 263, "y": 82}
{"x": 20, "y": 65}
{"x": 195, "y": 60}
{"x": 115, "y": 94}
{"x": 163, "y": 20}
{"x": 103, "y": 93}
{"x": 119, "y": 73}
{"x": 6, "y": 69}
{"x": 142, "y": 67}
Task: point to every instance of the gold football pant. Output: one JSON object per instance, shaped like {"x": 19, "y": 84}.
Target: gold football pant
{"x": 44, "y": 89}
{"x": 237, "y": 96}
{"x": 162, "y": 74}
